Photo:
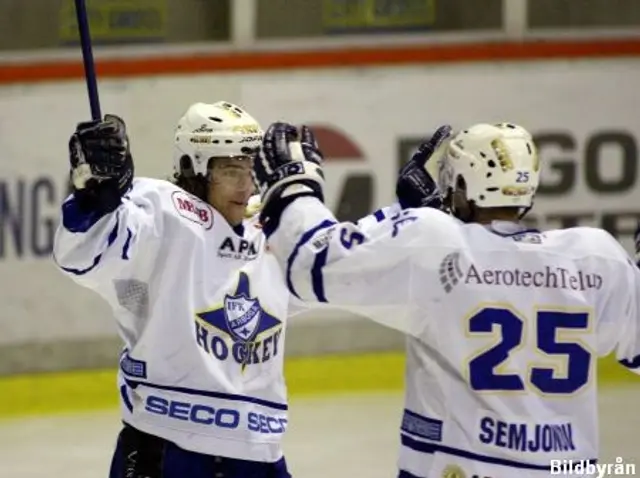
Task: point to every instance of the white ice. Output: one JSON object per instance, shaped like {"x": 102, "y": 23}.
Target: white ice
{"x": 338, "y": 437}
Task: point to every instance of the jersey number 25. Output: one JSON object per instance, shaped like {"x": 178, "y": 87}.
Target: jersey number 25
{"x": 487, "y": 370}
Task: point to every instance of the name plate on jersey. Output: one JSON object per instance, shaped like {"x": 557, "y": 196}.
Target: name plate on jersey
{"x": 549, "y": 438}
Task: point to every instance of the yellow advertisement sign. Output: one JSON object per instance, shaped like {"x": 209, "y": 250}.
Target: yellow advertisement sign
{"x": 116, "y": 20}
{"x": 363, "y": 15}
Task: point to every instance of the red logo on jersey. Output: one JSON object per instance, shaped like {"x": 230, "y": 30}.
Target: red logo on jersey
{"x": 193, "y": 209}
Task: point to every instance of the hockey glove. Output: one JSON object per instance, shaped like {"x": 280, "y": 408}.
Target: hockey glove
{"x": 288, "y": 166}
{"x": 415, "y": 186}
{"x": 101, "y": 164}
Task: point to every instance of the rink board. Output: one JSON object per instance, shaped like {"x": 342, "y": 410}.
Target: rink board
{"x": 370, "y": 120}
{"x": 60, "y": 392}
{"x": 53, "y": 326}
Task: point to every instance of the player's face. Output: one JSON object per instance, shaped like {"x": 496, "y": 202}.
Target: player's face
{"x": 231, "y": 187}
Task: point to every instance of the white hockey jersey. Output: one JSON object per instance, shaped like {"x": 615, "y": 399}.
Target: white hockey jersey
{"x": 202, "y": 310}
{"x": 504, "y": 327}
{"x": 203, "y": 358}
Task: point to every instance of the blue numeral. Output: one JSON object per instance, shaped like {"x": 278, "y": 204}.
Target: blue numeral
{"x": 482, "y": 369}
{"x": 578, "y": 359}
{"x": 348, "y": 239}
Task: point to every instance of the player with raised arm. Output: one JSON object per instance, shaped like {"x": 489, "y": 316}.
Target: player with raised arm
{"x": 199, "y": 305}
{"x": 504, "y": 323}
{"x": 201, "y": 386}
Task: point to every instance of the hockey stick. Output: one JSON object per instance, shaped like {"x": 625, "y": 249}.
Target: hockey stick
{"x": 87, "y": 58}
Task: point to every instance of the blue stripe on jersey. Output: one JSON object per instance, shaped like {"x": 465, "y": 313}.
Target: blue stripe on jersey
{"x": 113, "y": 235}
{"x": 430, "y": 448}
{"x": 632, "y": 364}
{"x": 127, "y": 245}
{"x": 317, "y": 281}
{"x": 209, "y": 393}
{"x": 516, "y": 233}
{"x": 406, "y": 474}
{"x": 303, "y": 240}
{"x": 125, "y": 398}
{"x": 75, "y": 220}
{"x": 379, "y": 215}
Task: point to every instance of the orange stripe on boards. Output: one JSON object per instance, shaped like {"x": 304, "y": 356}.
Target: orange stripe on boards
{"x": 327, "y": 58}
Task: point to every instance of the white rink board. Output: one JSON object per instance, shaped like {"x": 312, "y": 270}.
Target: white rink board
{"x": 373, "y": 108}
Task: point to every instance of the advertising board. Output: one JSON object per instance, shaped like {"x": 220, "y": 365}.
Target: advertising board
{"x": 583, "y": 114}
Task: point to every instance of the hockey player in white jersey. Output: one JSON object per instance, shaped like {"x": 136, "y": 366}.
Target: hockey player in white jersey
{"x": 200, "y": 306}
{"x": 201, "y": 385}
{"x": 504, "y": 323}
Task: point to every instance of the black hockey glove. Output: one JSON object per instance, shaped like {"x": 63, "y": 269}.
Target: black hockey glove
{"x": 415, "y": 186}
{"x": 101, "y": 164}
{"x": 288, "y": 166}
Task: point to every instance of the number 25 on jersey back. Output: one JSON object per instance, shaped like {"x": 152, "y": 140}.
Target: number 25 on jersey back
{"x": 565, "y": 361}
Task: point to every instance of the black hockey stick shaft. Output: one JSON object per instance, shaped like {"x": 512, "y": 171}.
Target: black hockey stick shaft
{"x": 87, "y": 58}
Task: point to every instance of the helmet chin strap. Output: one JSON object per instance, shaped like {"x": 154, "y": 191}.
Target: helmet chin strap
{"x": 525, "y": 210}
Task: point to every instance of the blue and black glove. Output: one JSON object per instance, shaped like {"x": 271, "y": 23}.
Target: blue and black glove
{"x": 288, "y": 166}
{"x": 101, "y": 164}
{"x": 415, "y": 187}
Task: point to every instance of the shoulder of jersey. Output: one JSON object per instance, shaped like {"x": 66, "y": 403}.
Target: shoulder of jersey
{"x": 428, "y": 226}
{"x": 584, "y": 233}
{"x": 589, "y": 240}
{"x": 173, "y": 201}
{"x": 436, "y": 218}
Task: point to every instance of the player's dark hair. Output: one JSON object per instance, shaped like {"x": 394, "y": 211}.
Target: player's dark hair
{"x": 187, "y": 179}
{"x": 197, "y": 186}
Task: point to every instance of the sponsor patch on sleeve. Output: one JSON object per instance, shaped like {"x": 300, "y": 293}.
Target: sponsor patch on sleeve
{"x": 193, "y": 209}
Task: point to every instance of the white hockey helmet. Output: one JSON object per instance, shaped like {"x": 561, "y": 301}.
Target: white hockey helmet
{"x": 218, "y": 130}
{"x": 498, "y": 163}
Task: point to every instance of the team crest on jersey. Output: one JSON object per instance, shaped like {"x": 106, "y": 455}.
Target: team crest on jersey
{"x": 243, "y": 316}
{"x": 240, "y": 329}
